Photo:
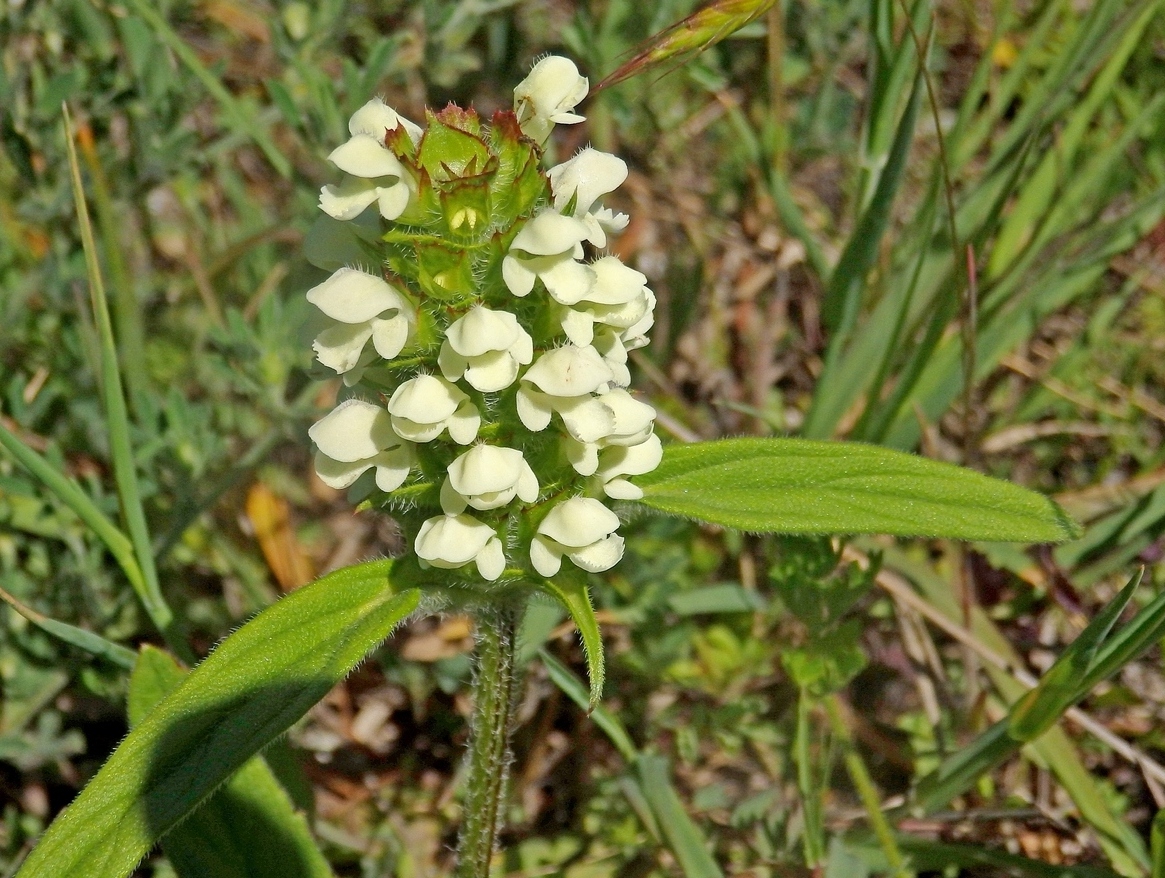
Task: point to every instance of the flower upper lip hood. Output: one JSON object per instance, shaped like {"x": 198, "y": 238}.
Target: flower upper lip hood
{"x": 548, "y": 96}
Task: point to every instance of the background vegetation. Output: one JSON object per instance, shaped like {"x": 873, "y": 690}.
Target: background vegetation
{"x": 826, "y": 266}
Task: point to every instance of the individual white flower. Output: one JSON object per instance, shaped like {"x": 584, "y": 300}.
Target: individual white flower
{"x": 425, "y": 406}
{"x": 624, "y": 420}
{"x": 619, "y": 298}
{"x": 376, "y": 174}
{"x": 366, "y": 307}
{"x": 581, "y": 528}
{"x": 486, "y": 347}
{"x": 616, "y": 461}
{"x": 548, "y": 247}
{"x": 355, "y": 437}
{"x": 548, "y": 96}
{"x": 586, "y": 178}
{"x": 563, "y": 380}
{"x": 488, "y": 477}
{"x": 452, "y": 541}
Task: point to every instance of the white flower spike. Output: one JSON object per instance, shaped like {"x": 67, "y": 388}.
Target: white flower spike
{"x": 452, "y": 541}
{"x": 486, "y": 348}
{"x": 583, "y": 530}
{"x": 548, "y": 96}
{"x": 355, "y": 437}
{"x": 365, "y": 307}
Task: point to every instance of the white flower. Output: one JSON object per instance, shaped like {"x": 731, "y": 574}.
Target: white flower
{"x": 423, "y": 407}
{"x": 618, "y": 298}
{"x": 355, "y": 437}
{"x": 366, "y": 307}
{"x": 486, "y": 347}
{"x": 587, "y": 177}
{"x": 548, "y": 247}
{"x": 628, "y": 460}
{"x": 563, "y": 380}
{"x": 621, "y": 420}
{"x": 377, "y": 176}
{"x": 548, "y": 96}
{"x": 488, "y": 477}
{"x": 452, "y": 541}
{"x": 581, "y": 528}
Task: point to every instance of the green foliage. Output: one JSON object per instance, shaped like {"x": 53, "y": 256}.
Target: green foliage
{"x": 248, "y": 692}
{"x": 791, "y": 486}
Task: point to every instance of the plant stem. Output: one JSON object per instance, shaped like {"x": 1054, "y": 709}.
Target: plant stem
{"x": 489, "y": 753}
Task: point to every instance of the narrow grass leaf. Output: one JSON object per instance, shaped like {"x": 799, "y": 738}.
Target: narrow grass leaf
{"x": 249, "y": 828}
{"x": 71, "y": 634}
{"x": 844, "y": 292}
{"x": 682, "y": 836}
{"x": 1060, "y": 687}
{"x": 801, "y": 487}
{"x": 117, "y": 418}
{"x": 68, "y": 492}
{"x": 565, "y": 679}
{"x": 259, "y": 681}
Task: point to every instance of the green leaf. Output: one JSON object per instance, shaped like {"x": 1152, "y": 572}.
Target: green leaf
{"x": 565, "y": 680}
{"x": 71, "y": 634}
{"x": 799, "y": 486}
{"x": 683, "y": 837}
{"x": 249, "y": 828}
{"x": 249, "y": 691}
{"x": 571, "y": 591}
{"x": 1061, "y": 686}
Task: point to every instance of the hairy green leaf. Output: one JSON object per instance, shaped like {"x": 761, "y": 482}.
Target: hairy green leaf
{"x": 249, "y": 828}
{"x": 799, "y": 486}
{"x": 257, "y": 682}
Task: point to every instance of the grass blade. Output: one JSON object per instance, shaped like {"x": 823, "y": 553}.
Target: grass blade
{"x": 117, "y": 418}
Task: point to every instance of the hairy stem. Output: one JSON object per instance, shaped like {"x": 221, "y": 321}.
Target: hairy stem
{"x": 494, "y": 685}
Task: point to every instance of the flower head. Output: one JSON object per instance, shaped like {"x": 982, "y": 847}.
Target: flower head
{"x": 452, "y": 541}
{"x": 486, "y": 348}
{"x": 548, "y": 96}
{"x": 489, "y": 351}
{"x": 583, "y": 530}
{"x": 365, "y": 307}
{"x": 355, "y": 437}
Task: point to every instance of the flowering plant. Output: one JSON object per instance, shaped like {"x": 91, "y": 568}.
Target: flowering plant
{"x": 482, "y": 334}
